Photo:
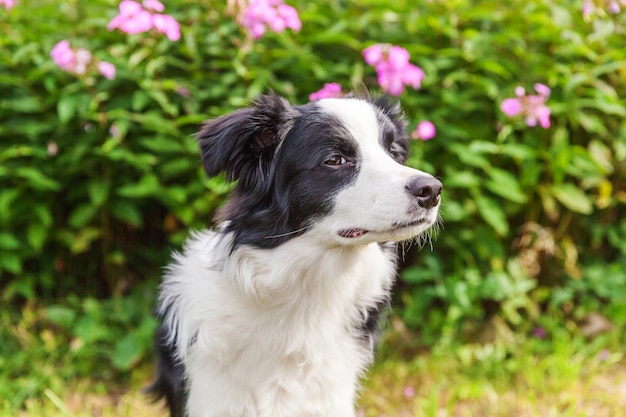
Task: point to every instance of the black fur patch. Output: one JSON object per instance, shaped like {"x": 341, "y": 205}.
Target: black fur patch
{"x": 169, "y": 383}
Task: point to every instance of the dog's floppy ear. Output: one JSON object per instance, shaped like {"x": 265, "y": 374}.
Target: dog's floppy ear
{"x": 243, "y": 143}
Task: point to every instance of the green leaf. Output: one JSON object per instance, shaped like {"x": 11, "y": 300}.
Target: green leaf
{"x": 127, "y": 212}
{"x": 452, "y": 211}
{"x": 482, "y": 146}
{"x": 36, "y": 179}
{"x": 177, "y": 167}
{"x": 43, "y": 213}
{"x": 66, "y": 107}
{"x": 60, "y": 315}
{"x": 462, "y": 179}
{"x": 469, "y": 158}
{"x": 127, "y": 352}
{"x": 81, "y": 215}
{"x": 36, "y": 234}
{"x": 98, "y": 191}
{"x": 82, "y": 240}
{"x": 139, "y": 100}
{"x": 601, "y": 154}
{"x": 7, "y": 197}
{"x": 591, "y": 123}
{"x": 90, "y": 329}
{"x": 163, "y": 144}
{"x": 10, "y": 262}
{"x": 177, "y": 194}
{"x": 23, "y": 104}
{"x": 518, "y": 151}
{"x": 573, "y": 198}
{"x": 492, "y": 213}
{"x": 496, "y": 286}
{"x": 504, "y": 184}
{"x": 131, "y": 348}
{"x": 8, "y": 241}
{"x": 155, "y": 122}
{"x": 148, "y": 186}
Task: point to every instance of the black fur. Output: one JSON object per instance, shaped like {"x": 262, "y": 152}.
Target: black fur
{"x": 170, "y": 382}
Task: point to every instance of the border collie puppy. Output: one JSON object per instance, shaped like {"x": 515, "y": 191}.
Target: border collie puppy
{"x": 274, "y": 314}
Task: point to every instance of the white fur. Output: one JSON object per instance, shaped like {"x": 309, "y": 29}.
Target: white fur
{"x": 273, "y": 342}
{"x": 272, "y": 332}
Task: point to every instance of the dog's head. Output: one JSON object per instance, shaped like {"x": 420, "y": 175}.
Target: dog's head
{"x": 331, "y": 168}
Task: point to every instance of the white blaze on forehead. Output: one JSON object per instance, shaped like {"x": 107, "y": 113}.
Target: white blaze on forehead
{"x": 358, "y": 117}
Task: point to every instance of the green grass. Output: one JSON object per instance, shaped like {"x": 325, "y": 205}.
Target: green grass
{"x": 47, "y": 370}
{"x": 537, "y": 386}
{"x": 529, "y": 377}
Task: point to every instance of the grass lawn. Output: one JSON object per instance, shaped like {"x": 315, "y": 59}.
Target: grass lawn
{"x": 534, "y": 378}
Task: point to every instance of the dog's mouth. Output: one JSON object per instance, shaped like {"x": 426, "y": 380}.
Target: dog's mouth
{"x": 355, "y": 232}
{"x": 352, "y": 233}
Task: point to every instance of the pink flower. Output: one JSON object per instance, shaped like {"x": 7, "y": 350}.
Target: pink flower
{"x": 167, "y": 24}
{"x": 257, "y": 30}
{"x": 398, "y": 57}
{"x": 511, "y": 107}
{"x": 542, "y": 89}
{"x": 543, "y": 115}
{"x": 78, "y": 61}
{"x": 107, "y": 69}
{"x": 409, "y": 392}
{"x": 83, "y": 59}
{"x": 274, "y": 14}
{"x": 393, "y": 68}
{"x": 613, "y": 7}
{"x": 290, "y": 16}
{"x": 131, "y": 19}
{"x": 135, "y": 17}
{"x": 532, "y": 107}
{"x": 388, "y": 79}
{"x": 63, "y": 55}
{"x": 425, "y": 130}
{"x": 413, "y": 76}
{"x": 330, "y": 90}
{"x": 540, "y": 333}
{"x": 74, "y": 61}
{"x": 373, "y": 55}
{"x": 8, "y": 3}
{"x": 183, "y": 91}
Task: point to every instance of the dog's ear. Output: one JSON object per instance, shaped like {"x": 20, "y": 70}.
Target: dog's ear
{"x": 391, "y": 108}
{"x": 243, "y": 143}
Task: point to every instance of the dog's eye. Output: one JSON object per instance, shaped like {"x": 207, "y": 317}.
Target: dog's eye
{"x": 335, "y": 161}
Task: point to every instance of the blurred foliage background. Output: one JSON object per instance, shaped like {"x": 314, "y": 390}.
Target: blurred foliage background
{"x": 100, "y": 179}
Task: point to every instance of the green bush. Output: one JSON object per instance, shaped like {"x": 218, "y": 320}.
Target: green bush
{"x": 45, "y": 348}
{"x": 100, "y": 178}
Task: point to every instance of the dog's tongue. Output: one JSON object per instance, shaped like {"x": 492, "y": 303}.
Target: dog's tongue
{"x": 352, "y": 233}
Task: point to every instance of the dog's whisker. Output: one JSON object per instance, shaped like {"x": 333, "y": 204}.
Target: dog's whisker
{"x": 293, "y": 232}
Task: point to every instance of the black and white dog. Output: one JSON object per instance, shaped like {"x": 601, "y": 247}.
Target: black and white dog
{"x": 275, "y": 313}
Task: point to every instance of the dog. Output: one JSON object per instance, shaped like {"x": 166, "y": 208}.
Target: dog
{"x": 275, "y": 313}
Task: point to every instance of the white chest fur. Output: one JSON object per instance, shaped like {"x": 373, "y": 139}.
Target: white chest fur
{"x": 273, "y": 332}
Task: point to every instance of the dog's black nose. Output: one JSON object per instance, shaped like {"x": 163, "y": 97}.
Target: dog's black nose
{"x": 426, "y": 190}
